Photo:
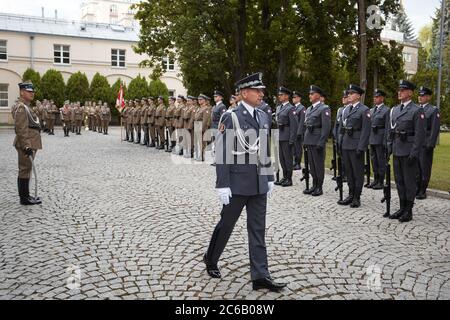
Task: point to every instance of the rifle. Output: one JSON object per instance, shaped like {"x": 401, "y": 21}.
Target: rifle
{"x": 367, "y": 168}
{"x": 278, "y": 176}
{"x": 333, "y": 161}
{"x": 387, "y": 186}
{"x": 305, "y": 170}
{"x": 339, "y": 178}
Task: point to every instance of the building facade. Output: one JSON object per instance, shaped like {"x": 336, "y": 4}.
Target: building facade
{"x": 118, "y": 12}
{"x": 68, "y": 46}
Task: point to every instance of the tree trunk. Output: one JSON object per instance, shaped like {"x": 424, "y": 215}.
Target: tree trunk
{"x": 282, "y": 62}
{"x": 240, "y": 39}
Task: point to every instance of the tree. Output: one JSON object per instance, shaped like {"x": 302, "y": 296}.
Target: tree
{"x": 401, "y": 23}
{"x": 35, "y": 78}
{"x": 158, "y": 88}
{"x": 53, "y": 87}
{"x": 100, "y": 89}
{"x": 137, "y": 89}
{"x": 77, "y": 88}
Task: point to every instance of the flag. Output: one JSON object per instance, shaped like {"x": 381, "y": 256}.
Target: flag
{"x": 120, "y": 102}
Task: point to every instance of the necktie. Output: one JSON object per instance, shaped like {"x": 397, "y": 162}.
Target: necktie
{"x": 351, "y": 108}
{"x": 255, "y": 117}
{"x": 401, "y": 107}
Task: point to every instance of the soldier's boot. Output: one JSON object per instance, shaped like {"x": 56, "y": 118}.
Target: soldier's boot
{"x": 380, "y": 184}
{"x": 347, "y": 200}
{"x": 374, "y": 182}
{"x": 407, "y": 215}
{"x": 311, "y": 189}
{"x": 280, "y": 183}
{"x": 53, "y": 132}
{"x": 397, "y": 214}
{"x": 24, "y": 193}
{"x": 422, "y": 193}
{"x": 356, "y": 203}
{"x": 138, "y": 137}
{"x": 318, "y": 191}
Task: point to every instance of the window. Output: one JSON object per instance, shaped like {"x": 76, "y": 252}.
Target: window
{"x": 3, "y": 53}
{"x": 61, "y": 54}
{"x": 118, "y": 58}
{"x": 168, "y": 64}
{"x": 113, "y": 9}
{"x": 171, "y": 93}
{"x": 3, "y": 95}
{"x": 407, "y": 57}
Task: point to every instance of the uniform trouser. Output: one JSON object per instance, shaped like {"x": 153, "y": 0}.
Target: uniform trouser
{"x": 425, "y": 165}
{"x": 146, "y": 134}
{"x": 93, "y": 121}
{"x": 137, "y": 129}
{"x": 99, "y": 125}
{"x": 405, "y": 177}
{"x": 316, "y": 161}
{"x": 286, "y": 159}
{"x": 72, "y": 126}
{"x": 256, "y": 225}
{"x": 162, "y": 134}
{"x": 378, "y": 156}
{"x": 51, "y": 124}
{"x": 25, "y": 165}
{"x": 354, "y": 167}
{"x": 78, "y": 124}
{"x": 105, "y": 124}
{"x": 298, "y": 148}
{"x": 131, "y": 132}
{"x": 152, "y": 131}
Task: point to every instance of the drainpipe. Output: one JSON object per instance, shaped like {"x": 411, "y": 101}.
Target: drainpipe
{"x": 32, "y": 52}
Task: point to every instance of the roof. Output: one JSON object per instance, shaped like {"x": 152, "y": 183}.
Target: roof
{"x": 38, "y": 25}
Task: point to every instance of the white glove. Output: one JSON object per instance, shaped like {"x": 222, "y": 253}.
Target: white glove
{"x": 224, "y": 195}
{"x": 271, "y": 186}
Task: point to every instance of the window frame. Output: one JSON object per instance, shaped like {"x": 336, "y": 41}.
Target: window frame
{"x": 166, "y": 62}
{"x": 61, "y": 56}
{"x": 117, "y": 60}
{"x": 7, "y": 95}
{"x": 6, "y": 50}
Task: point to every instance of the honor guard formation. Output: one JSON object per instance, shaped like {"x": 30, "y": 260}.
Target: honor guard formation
{"x": 364, "y": 140}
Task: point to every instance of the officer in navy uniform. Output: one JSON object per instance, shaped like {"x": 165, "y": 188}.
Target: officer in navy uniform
{"x": 264, "y": 106}
{"x": 380, "y": 115}
{"x": 405, "y": 140}
{"x": 355, "y": 126}
{"x": 337, "y": 134}
{"x": 287, "y": 121}
{"x": 317, "y": 130}
{"x": 219, "y": 109}
{"x": 432, "y": 117}
{"x": 301, "y": 111}
{"x": 247, "y": 184}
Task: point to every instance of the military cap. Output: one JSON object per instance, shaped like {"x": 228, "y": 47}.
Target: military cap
{"x": 27, "y": 86}
{"x": 233, "y": 97}
{"x": 253, "y": 81}
{"x": 202, "y": 96}
{"x": 172, "y": 98}
{"x": 192, "y": 98}
{"x": 296, "y": 94}
{"x": 345, "y": 94}
{"x": 379, "y": 93}
{"x": 161, "y": 97}
{"x": 218, "y": 93}
{"x": 180, "y": 96}
{"x": 355, "y": 88}
{"x": 405, "y": 84}
{"x": 284, "y": 90}
{"x": 316, "y": 89}
{"x": 424, "y": 91}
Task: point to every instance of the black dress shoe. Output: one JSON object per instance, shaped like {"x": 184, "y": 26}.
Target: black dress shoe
{"x": 268, "y": 283}
{"x": 317, "y": 192}
{"x": 406, "y": 217}
{"x": 287, "y": 183}
{"x": 386, "y": 215}
{"x": 211, "y": 269}
{"x": 372, "y": 184}
{"x": 378, "y": 186}
{"x": 346, "y": 201}
{"x": 421, "y": 196}
{"x": 29, "y": 201}
{"x": 279, "y": 183}
{"x": 309, "y": 191}
{"x": 356, "y": 203}
{"x": 397, "y": 214}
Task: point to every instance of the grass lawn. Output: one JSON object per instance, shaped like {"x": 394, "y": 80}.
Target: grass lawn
{"x": 440, "y": 177}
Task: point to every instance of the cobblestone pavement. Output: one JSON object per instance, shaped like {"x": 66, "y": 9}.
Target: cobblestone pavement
{"x": 130, "y": 224}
